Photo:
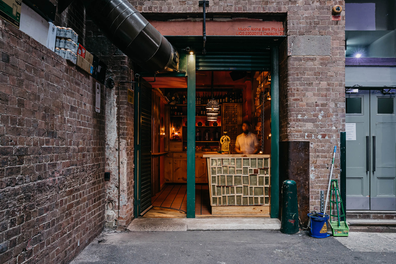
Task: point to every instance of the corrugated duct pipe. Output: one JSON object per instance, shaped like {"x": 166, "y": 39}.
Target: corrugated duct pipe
{"x": 133, "y": 34}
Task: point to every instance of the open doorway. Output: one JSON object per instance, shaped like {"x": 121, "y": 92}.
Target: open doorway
{"x": 242, "y": 96}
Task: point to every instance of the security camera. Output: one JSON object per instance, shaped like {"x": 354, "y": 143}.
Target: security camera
{"x": 337, "y": 9}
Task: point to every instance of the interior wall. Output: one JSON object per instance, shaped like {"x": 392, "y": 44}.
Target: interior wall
{"x": 267, "y": 128}
{"x": 384, "y": 47}
{"x": 164, "y": 126}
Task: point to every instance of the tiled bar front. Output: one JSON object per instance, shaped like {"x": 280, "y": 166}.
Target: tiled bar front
{"x": 240, "y": 181}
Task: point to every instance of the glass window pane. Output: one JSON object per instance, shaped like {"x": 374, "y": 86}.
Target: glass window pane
{"x": 353, "y": 105}
{"x": 385, "y": 105}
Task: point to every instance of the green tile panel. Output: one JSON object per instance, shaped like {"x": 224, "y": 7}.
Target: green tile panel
{"x": 239, "y": 181}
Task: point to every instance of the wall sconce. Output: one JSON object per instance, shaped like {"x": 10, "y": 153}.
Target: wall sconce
{"x": 162, "y": 132}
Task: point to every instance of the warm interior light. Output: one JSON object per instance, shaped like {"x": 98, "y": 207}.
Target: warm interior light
{"x": 191, "y": 52}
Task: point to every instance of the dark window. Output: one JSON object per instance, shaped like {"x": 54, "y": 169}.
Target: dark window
{"x": 385, "y": 105}
{"x": 354, "y": 105}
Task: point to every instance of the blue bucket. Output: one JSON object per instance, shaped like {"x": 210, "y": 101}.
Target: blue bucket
{"x": 318, "y": 225}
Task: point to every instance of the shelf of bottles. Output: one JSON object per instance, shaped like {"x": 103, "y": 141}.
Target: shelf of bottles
{"x": 178, "y": 105}
{"x": 207, "y": 134}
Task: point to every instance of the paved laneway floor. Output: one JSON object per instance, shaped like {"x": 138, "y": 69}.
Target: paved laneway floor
{"x": 226, "y": 247}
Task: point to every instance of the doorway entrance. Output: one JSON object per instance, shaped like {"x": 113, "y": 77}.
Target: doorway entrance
{"x": 244, "y": 61}
{"x": 371, "y": 150}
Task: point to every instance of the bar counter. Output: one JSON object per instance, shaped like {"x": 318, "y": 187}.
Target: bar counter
{"x": 239, "y": 184}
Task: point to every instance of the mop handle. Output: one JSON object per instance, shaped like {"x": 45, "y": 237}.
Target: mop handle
{"x": 328, "y": 188}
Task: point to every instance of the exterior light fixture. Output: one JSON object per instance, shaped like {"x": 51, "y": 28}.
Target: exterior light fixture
{"x": 358, "y": 55}
{"x": 191, "y": 52}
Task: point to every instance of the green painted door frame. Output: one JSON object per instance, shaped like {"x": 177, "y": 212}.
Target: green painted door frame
{"x": 275, "y": 132}
{"x": 191, "y": 89}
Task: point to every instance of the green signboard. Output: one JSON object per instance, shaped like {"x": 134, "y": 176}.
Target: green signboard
{"x": 10, "y": 10}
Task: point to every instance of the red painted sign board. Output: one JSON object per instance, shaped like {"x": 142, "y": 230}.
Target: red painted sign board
{"x": 237, "y": 27}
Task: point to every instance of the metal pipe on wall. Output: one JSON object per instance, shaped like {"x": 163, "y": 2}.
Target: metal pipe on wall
{"x": 133, "y": 34}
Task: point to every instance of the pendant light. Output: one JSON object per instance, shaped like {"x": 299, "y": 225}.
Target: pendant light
{"x": 212, "y": 108}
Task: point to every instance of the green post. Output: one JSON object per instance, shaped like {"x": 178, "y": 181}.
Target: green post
{"x": 289, "y": 222}
{"x": 191, "y": 136}
{"x": 343, "y": 170}
{"x": 274, "y": 132}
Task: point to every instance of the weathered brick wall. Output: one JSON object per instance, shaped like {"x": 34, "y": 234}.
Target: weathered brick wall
{"x": 119, "y": 129}
{"x": 311, "y": 86}
{"x": 316, "y": 91}
{"x": 126, "y": 131}
{"x": 51, "y": 152}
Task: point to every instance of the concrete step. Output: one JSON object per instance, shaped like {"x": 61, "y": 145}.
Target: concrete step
{"x": 371, "y": 215}
{"x": 204, "y": 224}
{"x": 371, "y": 222}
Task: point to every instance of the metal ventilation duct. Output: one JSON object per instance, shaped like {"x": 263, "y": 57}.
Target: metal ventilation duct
{"x": 133, "y": 34}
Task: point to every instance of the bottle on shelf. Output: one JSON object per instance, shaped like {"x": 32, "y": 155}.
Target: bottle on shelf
{"x": 216, "y": 135}
{"x": 206, "y": 135}
{"x": 198, "y": 135}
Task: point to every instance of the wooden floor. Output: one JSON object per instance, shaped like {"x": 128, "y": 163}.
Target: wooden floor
{"x": 171, "y": 202}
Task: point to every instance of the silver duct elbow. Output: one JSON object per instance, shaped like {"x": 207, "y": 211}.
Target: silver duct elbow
{"x": 133, "y": 34}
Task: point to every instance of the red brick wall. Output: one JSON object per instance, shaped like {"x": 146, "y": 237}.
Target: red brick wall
{"x": 311, "y": 87}
{"x": 51, "y": 152}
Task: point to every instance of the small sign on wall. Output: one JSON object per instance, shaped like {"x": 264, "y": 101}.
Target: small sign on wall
{"x": 97, "y": 101}
{"x": 131, "y": 96}
{"x": 350, "y": 131}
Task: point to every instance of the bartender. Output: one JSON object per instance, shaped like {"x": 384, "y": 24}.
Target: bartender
{"x": 247, "y": 142}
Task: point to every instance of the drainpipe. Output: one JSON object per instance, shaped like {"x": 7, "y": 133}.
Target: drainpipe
{"x": 133, "y": 34}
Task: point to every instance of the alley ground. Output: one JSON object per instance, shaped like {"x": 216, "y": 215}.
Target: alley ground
{"x": 243, "y": 246}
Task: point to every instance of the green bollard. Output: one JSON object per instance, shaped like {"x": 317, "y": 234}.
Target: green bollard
{"x": 289, "y": 222}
